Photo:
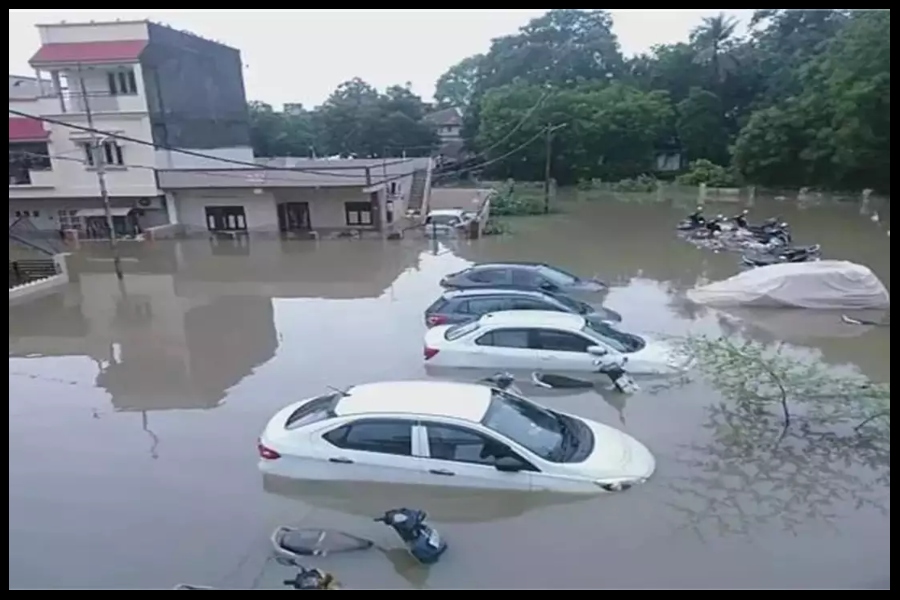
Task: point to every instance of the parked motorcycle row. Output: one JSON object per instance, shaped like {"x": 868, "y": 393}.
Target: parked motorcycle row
{"x": 766, "y": 243}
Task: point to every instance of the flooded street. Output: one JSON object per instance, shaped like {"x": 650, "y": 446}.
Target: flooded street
{"x": 134, "y": 412}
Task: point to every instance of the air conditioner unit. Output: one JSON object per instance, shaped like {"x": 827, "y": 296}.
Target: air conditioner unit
{"x": 148, "y": 203}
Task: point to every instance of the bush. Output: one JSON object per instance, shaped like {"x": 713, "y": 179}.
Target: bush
{"x": 705, "y": 171}
{"x": 640, "y": 184}
{"x": 506, "y": 202}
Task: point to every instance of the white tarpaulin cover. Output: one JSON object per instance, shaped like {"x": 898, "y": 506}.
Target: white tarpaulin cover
{"x": 824, "y": 284}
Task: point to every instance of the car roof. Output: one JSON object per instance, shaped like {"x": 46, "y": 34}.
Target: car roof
{"x": 465, "y": 401}
{"x": 495, "y": 265}
{"x": 446, "y": 211}
{"x": 495, "y": 292}
{"x": 533, "y": 318}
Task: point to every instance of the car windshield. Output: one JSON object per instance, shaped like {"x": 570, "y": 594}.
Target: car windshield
{"x": 458, "y": 331}
{"x": 579, "y": 307}
{"x": 527, "y": 424}
{"x": 442, "y": 219}
{"x": 615, "y": 339}
{"x": 557, "y": 276}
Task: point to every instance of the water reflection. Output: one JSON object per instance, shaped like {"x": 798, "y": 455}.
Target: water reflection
{"x": 443, "y": 504}
{"x": 752, "y": 472}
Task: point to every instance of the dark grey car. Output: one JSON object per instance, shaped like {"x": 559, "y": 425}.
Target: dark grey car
{"x": 460, "y": 306}
{"x": 529, "y": 276}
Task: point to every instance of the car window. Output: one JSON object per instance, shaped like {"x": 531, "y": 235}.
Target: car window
{"x": 560, "y": 341}
{"x": 449, "y": 220}
{"x": 482, "y": 306}
{"x": 615, "y": 339}
{"x": 572, "y": 304}
{"x": 557, "y": 276}
{"x": 505, "y": 338}
{"x": 526, "y": 278}
{"x": 495, "y": 276}
{"x": 447, "y": 442}
{"x": 459, "y": 331}
{"x": 525, "y": 423}
{"x": 384, "y": 436}
{"x": 317, "y": 409}
{"x": 531, "y": 304}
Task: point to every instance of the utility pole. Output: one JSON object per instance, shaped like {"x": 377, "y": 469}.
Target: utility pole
{"x": 100, "y": 165}
{"x": 548, "y": 163}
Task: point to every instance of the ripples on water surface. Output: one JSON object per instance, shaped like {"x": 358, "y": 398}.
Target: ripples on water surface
{"x": 133, "y": 421}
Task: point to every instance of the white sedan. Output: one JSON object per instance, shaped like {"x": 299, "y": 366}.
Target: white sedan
{"x": 449, "y": 434}
{"x": 546, "y": 341}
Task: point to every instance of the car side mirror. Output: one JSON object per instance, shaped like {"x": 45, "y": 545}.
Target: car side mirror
{"x": 548, "y": 286}
{"x": 597, "y": 351}
{"x": 509, "y": 464}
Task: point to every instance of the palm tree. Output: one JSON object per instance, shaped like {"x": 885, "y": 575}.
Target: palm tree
{"x": 712, "y": 39}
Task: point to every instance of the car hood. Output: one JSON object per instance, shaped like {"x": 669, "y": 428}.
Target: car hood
{"x": 589, "y": 285}
{"x": 616, "y": 456}
{"x": 662, "y": 353}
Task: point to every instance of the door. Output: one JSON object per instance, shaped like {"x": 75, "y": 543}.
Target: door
{"x": 562, "y": 350}
{"x": 293, "y": 216}
{"x": 462, "y": 457}
{"x": 372, "y": 450}
{"x": 226, "y": 218}
{"x": 503, "y": 349}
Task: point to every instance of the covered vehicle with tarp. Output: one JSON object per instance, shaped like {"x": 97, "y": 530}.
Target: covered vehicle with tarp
{"x": 825, "y": 284}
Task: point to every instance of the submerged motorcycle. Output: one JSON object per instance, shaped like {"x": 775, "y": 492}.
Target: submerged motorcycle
{"x": 423, "y": 541}
{"x": 305, "y": 579}
{"x": 782, "y": 254}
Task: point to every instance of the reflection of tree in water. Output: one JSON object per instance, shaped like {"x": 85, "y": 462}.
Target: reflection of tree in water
{"x": 753, "y": 472}
{"x": 792, "y": 440}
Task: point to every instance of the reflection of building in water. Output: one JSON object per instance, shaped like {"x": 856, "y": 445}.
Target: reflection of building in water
{"x": 339, "y": 269}
{"x": 156, "y": 350}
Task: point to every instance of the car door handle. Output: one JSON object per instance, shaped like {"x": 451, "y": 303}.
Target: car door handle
{"x": 443, "y": 472}
{"x": 341, "y": 461}
{"x": 546, "y": 357}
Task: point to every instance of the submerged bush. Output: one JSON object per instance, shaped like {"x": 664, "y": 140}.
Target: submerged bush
{"x": 506, "y": 202}
{"x": 705, "y": 171}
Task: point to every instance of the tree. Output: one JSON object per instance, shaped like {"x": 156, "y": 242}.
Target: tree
{"x": 457, "y": 85}
{"x": 701, "y": 127}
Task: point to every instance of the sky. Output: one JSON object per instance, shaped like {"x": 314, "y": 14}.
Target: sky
{"x": 302, "y": 55}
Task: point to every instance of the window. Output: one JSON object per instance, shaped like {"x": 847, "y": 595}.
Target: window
{"x": 121, "y": 82}
{"x": 492, "y": 276}
{"x": 530, "y": 304}
{"x": 527, "y": 424}
{"x": 459, "y": 331}
{"x": 505, "y": 338}
{"x": 69, "y": 219}
{"x": 317, "y": 409}
{"x": 447, "y": 442}
{"x": 393, "y": 188}
{"x": 557, "y": 276}
{"x": 358, "y": 213}
{"x": 226, "y": 218}
{"x": 381, "y": 436}
{"x": 576, "y": 306}
{"x": 482, "y": 306}
{"x": 526, "y": 278}
{"x": 110, "y": 152}
{"x": 560, "y": 341}
{"x": 615, "y": 339}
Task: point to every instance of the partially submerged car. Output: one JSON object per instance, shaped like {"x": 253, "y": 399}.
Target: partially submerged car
{"x": 449, "y": 434}
{"x": 460, "y": 306}
{"x": 546, "y": 341}
{"x": 529, "y": 276}
{"x": 446, "y": 221}
{"x": 825, "y": 284}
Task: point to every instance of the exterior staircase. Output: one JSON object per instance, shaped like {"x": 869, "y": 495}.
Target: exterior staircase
{"x": 417, "y": 190}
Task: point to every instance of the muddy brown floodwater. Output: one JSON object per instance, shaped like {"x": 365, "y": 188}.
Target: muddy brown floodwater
{"x": 134, "y": 413}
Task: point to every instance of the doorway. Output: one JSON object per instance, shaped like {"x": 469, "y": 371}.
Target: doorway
{"x": 293, "y": 216}
{"x": 226, "y": 218}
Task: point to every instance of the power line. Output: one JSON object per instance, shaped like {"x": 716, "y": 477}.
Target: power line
{"x": 515, "y": 150}
{"x": 196, "y": 154}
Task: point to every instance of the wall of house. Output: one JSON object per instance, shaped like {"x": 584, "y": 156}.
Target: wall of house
{"x": 44, "y": 213}
{"x": 195, "y": 91}
{"x": 67, "y": 33}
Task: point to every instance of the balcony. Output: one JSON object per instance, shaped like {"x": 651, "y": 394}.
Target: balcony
{"x": 29, "y": 166}
{"x": 67, "y": 102}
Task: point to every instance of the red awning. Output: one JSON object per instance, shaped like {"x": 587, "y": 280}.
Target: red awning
{"x": 23, "y": 129}
{"x": 89, "y": 53}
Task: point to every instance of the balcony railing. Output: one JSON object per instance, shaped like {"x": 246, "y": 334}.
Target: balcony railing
{"x": 99, "y": 102}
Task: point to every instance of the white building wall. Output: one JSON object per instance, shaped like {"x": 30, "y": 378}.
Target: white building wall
{"x": 67, "y": 33}
{"x": 259, "y": 209}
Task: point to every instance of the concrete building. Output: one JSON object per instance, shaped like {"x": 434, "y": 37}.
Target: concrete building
{"x": 448, "y": 122}
{"x": 140, "y": 80}
{"x": 326, "y": 196}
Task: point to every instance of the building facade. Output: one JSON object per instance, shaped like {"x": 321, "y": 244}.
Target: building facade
{"x": 139, "y": 80}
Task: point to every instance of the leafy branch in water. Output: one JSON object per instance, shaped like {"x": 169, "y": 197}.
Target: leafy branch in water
{"x": 756, "y": 376}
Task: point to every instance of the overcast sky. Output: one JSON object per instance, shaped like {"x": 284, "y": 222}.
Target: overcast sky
{"x": 301, "y": 56}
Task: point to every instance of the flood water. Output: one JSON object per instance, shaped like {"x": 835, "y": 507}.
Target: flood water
{"x": 134, "y": 412}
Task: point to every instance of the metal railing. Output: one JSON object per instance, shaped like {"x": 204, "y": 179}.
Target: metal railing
{"x": 28, "y": 270}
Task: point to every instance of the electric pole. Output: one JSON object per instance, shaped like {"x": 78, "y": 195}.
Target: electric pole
{"x": 99, "y": 159}
{"x": 549, "y": 163}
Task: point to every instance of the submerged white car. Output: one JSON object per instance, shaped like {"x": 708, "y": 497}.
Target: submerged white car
{"x": 449, "y": 434}
{"x": 546, "y": 341}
